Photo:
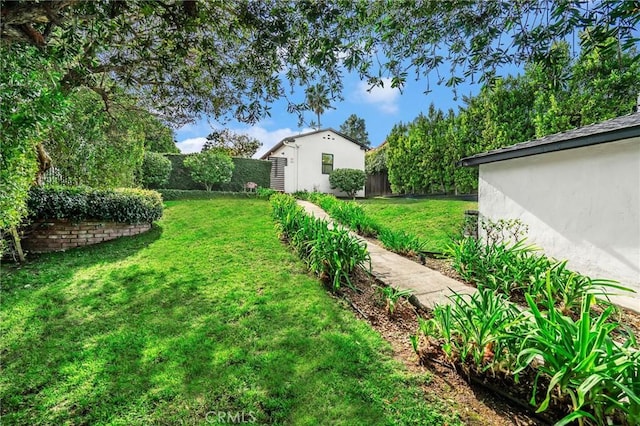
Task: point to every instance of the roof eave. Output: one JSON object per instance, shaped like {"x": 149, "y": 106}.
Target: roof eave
{"x": 579, "y": 142}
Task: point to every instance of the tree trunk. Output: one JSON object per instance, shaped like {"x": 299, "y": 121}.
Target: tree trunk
{"x": 16, "y": 243}
{"x": 44, "y": 163}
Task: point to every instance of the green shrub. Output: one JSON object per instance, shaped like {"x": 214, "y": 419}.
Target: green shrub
{"x": 401, "y": 242}
{"x": 184, "y": 194}
{"x": 248, "y": 170}
{"x": 155, "y": 170}
{"x": 348, "y": 180}
{"x": 125, "y": 205}
{"x": 245, "y": 170}
{"x": 209, "y": 168}
{"x": 597, "y": 373}
{"x": 180, "y": 178}
{"x": 265, "y": 193}
{"x": 332, "y": 254}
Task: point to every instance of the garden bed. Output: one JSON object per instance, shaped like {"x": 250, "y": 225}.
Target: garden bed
{"x": 476, "y": 403}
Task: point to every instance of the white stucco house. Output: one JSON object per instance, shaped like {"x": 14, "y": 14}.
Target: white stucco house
{"x": 304, "y": 162}
{"x": 578, "y": 192}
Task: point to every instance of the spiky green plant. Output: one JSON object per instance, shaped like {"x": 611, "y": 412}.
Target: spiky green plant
{"x": 583, "y": 363}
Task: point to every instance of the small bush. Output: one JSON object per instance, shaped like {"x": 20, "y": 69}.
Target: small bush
{"x": 155, "y": 170}
{"x": 125, "y": 205}
{"x": 210, "y": 168}
{"x": 348, "y": 180}
{"x": 184, "y": 194}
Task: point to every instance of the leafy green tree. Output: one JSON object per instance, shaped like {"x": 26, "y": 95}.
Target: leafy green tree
{"x": 210, "y": 167}
{"x": 317, "y": 98}
{"x": 158, "y": 136}
{"x": 234, "y": 144}
{"x": 198, "y": 66}
{"x": 355, "y": 128}
{"x": 94, "y": 147}
{"x": 348, "y": 180}
{"x": 548, "y": 98}
{"x": 155, "y": 170}
{"x": 601, "y": 85}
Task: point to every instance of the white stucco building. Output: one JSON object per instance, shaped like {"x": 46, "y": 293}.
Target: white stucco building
{"x": 579, "y": 194}
{"x": 304, "y": 162}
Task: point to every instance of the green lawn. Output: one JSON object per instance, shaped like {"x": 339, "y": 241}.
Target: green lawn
{"x": 207, "y": 313}
{"x": 433, "y": 220}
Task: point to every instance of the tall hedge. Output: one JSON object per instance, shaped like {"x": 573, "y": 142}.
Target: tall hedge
{"x": 249, "y": 170}
{"x": 245, "y": 170}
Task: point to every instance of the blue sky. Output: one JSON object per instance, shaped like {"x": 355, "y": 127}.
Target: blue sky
{"x": 381, "y": 108}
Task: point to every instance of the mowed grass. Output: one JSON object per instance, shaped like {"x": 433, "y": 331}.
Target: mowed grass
{"x": 206, "y": 318}
{"x": 434, "y": 221}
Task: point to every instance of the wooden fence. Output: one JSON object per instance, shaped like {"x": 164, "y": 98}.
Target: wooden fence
{"x": 377, "y": 184}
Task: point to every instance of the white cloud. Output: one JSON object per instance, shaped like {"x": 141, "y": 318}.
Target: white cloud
{"x": 268, "y": 138}
{"x": 385, "y": 98}
{"x": 188, "y": 146}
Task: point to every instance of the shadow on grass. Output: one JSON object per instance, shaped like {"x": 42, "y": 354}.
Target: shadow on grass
{"x": 143, "y": 345}
{"x": 68, "y": 261}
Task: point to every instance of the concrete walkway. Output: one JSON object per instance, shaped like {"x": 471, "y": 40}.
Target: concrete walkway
{"x": 428, "y": 286}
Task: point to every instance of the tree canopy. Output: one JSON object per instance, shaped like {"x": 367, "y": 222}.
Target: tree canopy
{"x": 317, "y": 100}
{"x": 356, "y": 128}
{"x": 210, "y": 167}
{"x": 219, "y": 58}
{"x": 234, "y": 144}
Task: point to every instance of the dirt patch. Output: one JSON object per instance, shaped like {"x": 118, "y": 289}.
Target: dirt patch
{"x": 475, "y": 404}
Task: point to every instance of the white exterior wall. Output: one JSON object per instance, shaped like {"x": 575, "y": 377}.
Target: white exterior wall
{"x": 582, "y": 205}
{"x": 304, "y": 163}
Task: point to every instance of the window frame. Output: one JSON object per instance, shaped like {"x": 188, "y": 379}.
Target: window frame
{"x": 327, "y": 164}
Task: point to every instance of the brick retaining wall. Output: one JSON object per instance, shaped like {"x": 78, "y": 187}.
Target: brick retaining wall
{"x": 59, "y": 235}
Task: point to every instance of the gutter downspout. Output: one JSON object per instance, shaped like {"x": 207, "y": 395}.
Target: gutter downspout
{"x": 296, "y": 147}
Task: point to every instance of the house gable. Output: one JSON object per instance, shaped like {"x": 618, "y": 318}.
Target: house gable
{"x": 326, "y": 134}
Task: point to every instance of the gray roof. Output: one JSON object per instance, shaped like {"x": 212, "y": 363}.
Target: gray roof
{"x": 293, "y": 138}
{"x": 625, "y": 127}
